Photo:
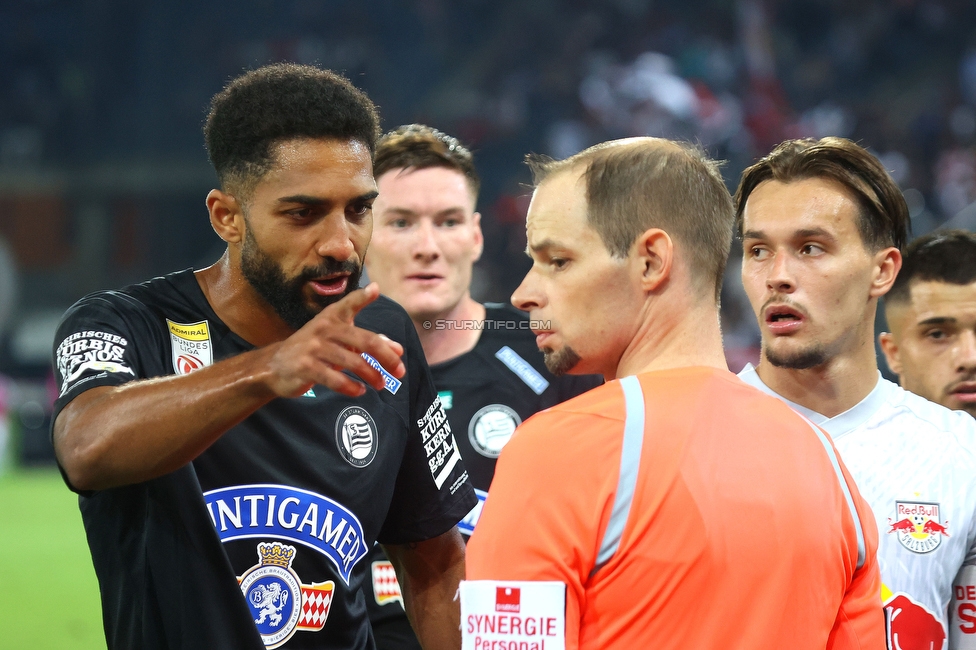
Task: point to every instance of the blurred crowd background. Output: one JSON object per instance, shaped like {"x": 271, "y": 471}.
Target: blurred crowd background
{"x": 103, "y": 172}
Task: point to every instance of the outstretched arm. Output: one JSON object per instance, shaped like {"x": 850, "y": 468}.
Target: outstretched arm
{"x": 429, "y": 573}
{"x": 118, "y": 435}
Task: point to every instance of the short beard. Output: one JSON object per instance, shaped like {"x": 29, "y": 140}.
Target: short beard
{"x": 559, "y": 362}
{"x": 801, "y": 360}
{"x": 286, "y": 295}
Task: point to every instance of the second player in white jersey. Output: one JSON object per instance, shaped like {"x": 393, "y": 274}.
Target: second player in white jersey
{"x": 914, "y": 462}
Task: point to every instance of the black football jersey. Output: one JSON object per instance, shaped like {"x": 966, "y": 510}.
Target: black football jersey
{"x": 261, "y": 541}
{"x": 492, "y": 389}
{"x": 486, "y": 392}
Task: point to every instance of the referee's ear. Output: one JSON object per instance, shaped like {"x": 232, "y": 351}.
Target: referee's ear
{"x": 655, "y": 254}
{"x": 226, "y": 217}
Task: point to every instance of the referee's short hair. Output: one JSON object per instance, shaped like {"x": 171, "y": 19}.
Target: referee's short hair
{"x": 640, "y": 183}
{"x": 276, "y": 103}
{"x": 883, "y": 219}
{"x": 418, "y": 146}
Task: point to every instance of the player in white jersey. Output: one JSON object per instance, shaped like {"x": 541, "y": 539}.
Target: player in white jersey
{"x": 931, "y": 311}
{"x": 822, "y": 225}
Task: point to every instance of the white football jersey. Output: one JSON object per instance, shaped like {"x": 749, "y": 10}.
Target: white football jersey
{"x": 914, "y": 462}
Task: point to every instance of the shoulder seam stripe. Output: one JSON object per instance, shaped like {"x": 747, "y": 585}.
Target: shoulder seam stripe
{"x": 630, "y": 456}
{"x": 861, "y": 550}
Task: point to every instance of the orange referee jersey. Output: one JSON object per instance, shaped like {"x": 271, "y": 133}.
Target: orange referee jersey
{"x": 684, "y": 509}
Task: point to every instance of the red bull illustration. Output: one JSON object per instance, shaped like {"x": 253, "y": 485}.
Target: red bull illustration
{"x": 917, "y": 526}
{"x": 933, "y": 527}
{"x": 903, "y": 525}
{"x": 909, "y": 625}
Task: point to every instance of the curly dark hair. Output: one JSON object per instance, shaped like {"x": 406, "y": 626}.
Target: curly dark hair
{"x": 417, "y": 146}
{"x": 278, "y": 102}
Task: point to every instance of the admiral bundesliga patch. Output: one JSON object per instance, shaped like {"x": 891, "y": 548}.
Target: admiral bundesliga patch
{"x": 191, "y": 346}
{"x": 280, "y": 604}
{"x": 513, "y": 615}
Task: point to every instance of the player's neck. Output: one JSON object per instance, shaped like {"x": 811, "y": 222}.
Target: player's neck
{"x": 452, "y": 333}
{"x": 828, "y": 389}
{"x": 665, "y": 341}
{"x": 238, "y": 305}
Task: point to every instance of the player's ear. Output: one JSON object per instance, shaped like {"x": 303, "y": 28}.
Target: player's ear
{"x": 889, "y": 346}
{"x": 478, "y": 235}
{"x": 655, "y": 254}
{"x": 887, "y": 264}
{"x": 226, "y": 216}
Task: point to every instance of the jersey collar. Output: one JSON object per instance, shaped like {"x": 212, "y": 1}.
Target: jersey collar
{"x": 838, "y": 425}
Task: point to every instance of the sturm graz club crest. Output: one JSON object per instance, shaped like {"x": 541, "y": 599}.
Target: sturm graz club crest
{"x": 279, "y": 603}
{"x": 356, "y": 436}
{"x": 917, "y": 526}
{"x": 491, "y": 428}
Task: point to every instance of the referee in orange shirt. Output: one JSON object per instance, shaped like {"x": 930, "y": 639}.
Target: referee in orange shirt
{"x": 680, "y": 507}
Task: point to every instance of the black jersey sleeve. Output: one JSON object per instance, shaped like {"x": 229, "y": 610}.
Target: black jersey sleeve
{"x": 517, "y": 334}
{"x": 105, "y": 339}
{"x": 433, "y": 491}
{"x": 569, "y": 386}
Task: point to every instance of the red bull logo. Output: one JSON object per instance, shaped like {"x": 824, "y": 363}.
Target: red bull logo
{"x": 917, "y": 526}
{"x": 910, "y": 626}
{"x": 933, "y": 527}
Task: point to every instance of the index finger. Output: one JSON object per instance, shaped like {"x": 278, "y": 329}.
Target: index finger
{"x": 350, "y": 305}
